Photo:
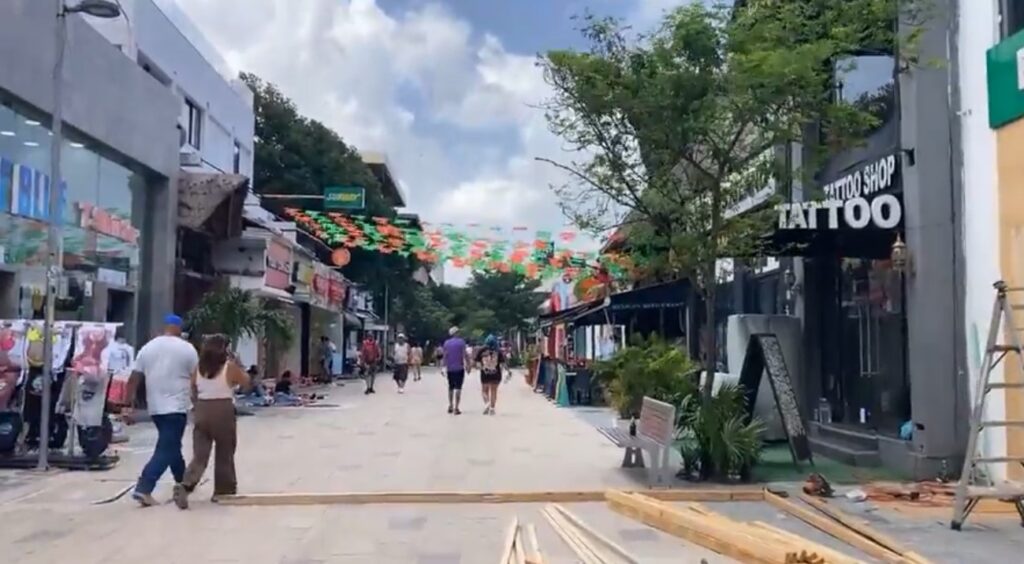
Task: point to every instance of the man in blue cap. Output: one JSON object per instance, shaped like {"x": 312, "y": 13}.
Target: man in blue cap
{"x": 166, "y": 363}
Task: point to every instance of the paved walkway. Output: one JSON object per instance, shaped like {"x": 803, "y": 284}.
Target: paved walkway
{"x": 383, "y": 442}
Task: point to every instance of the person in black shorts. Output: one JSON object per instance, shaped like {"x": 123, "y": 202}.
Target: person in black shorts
{"x": 454, "y": 350}
{"x": 491, "y": 361}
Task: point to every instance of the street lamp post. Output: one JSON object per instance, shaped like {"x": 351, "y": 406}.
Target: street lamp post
{"x": 54, "y": 235}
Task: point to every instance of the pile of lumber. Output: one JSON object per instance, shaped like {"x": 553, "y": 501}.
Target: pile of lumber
{"x": 753, "y": 542}
{"x": 590, "y": 546}
{"x": 521, "y": 548}
{"x": 851, "y": 530}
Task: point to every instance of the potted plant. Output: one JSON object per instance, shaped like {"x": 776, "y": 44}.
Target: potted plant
{"x": 714, "y": 438}
{"x": 648, "y": 367}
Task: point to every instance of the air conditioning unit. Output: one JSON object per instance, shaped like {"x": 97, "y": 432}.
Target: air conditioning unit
{"x": 190, "y": 157}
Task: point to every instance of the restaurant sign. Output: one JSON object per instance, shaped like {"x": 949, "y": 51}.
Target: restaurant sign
{"x": 103, "y": 222}
{"x": 856, "y": 200}
{"x": 278, "y": 271}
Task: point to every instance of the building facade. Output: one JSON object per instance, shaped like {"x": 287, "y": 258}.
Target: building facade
{"x": 991, "y": 40}
{"x": 879, "y": 285}
{"x": 120, "y": 160}
{"x": 216, "y": 121}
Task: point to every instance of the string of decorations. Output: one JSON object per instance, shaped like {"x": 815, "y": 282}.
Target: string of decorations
{"x": 538, "y": 257}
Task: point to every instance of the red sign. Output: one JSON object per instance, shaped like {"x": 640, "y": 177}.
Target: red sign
{"x": 337, "y": 292}
{"x": 322, "y": 286}
{"x": 103, "y": 222}
{"x": 278, "y": 273}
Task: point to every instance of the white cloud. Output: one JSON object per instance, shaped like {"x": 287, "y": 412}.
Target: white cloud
{"x": 352, "y": 65}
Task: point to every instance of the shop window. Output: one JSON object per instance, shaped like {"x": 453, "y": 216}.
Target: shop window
{"x": 194, "y": 126}
{"x": 1012, "y": 16}
{"x": 868, "y": 82}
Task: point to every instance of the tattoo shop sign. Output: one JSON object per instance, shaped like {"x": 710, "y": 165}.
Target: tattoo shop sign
{"x": 857, "y": 200}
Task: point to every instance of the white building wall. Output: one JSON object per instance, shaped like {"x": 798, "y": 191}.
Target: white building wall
{"x": 978, "y": 31}
{"x": 160, "y": 36}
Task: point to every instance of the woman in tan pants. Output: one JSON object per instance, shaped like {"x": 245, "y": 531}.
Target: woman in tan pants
{"x": 213, "y": 394}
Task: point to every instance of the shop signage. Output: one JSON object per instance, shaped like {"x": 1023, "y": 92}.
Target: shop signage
{"x": 856, "y": 201}
{"x": 105, "y": 223}
{"x": 337, "y": 292}
{"x": 25, "y": 191}
{"x": 1005, "y": 69}
{"x": 279, "y": 265}
{"x": 115, "y": 277}
{"x": 344, "y": 198}
{"x": 303, "y": 273}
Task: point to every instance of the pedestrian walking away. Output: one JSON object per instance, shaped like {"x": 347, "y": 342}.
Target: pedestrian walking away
{"x": 369, "y": 356}
{"x": 401, "y": 363}
{"x": 491, "y": 361}
{"x": 416, "y": 362}
{"x": 212, "y": 387}
{"x": 166, "y": 363}
{"x": 455, "y": 362}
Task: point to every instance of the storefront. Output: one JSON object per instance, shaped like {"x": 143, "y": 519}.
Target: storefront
{"x": 326, "y": 320}
{"x": 101, "y": 204}
{"x": 855, "y": 295}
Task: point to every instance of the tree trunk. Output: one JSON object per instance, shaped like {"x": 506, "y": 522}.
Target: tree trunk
{"x": 711, "y": 343}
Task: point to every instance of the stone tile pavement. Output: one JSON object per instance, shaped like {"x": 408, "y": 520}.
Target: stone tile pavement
{"x": 383, "y": 442}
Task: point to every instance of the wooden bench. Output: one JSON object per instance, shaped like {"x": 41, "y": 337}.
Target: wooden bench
{"x": 655, "y": 433}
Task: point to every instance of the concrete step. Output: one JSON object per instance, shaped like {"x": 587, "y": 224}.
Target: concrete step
{"x": 856, "y": 439}
{"x": 842, "y": 451}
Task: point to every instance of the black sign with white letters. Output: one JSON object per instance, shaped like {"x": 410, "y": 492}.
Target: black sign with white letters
{"x": 865, "y": 198}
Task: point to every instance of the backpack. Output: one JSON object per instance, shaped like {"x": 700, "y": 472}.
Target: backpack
{"x": 489, "y": 362}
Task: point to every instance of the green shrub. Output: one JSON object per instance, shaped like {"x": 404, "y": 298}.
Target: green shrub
{"x": 648, "y": 367}
{"x": 715, "y": 440}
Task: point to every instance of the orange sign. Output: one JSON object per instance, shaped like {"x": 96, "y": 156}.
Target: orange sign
{"x": 341, "y": 257}
{"x": 106, "y": 223}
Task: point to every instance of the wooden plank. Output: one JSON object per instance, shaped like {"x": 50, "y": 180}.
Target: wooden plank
{"x": 835, "y": 529}
{"x": 533, "y": 553}
{"x": 561, "y": 527}
{"x": 518, "y": 552}
{"x": 695, "y": 529}
{"x": 357, "y": 498}
{"x": 863, "y": 528}
{"x": 831, "y": 555}
{"x": 607, "y": 542}
{"x": 510, "y": 540}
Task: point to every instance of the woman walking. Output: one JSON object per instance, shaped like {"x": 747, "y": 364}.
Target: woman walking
{"x": 213, "y": 392}
{"x": 491, "y": 361}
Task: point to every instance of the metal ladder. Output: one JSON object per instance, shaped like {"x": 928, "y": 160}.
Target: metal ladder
{"x": 969, "y": 490}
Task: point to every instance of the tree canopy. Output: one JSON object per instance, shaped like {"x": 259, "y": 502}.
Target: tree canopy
{"x": 673, "y": 129}
{"x": 298, "y": 155}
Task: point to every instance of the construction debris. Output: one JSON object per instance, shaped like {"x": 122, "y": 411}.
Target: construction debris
{"x": 746, "y": 542}
{"x": 520, "y": 548}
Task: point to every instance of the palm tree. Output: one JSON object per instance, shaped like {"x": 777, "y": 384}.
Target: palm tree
{"x": 239, "y": 313}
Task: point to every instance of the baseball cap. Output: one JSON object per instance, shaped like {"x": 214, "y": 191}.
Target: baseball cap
{"x": 453, "y": 330}
{"x": 172, "y": 319}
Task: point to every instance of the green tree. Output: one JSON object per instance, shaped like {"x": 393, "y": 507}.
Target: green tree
{"x": 239, "y": 313}
{"x": 510, "y": 297}
{"x": 295, "y": 155}
{"x": 424, "y": 317}
{"x": 674, "y": 128}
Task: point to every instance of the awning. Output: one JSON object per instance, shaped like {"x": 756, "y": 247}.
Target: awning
{"x": 563, "y": 316}
{"x": 352, "y": 317}
{"x": 669, "y": 295}
{"x": 201, "y": 193}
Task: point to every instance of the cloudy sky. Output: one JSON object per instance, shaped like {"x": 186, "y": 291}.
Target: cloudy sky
{"x": 445, "y": 87}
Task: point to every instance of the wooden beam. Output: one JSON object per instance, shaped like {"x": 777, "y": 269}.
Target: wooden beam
{"x": 863, "y": 528}
{"x": 835, "y": 529}
{"x": 533, "y": 554}
{"x": 831, "y": 556}
{"x": 610, "y": 544}
{"x": 363, "y": 498}
{"x": 517, "y": 545}
{"x": 697, "y": 529}
{"x": 510, "y": 541}
{"x": 585, "y": 553}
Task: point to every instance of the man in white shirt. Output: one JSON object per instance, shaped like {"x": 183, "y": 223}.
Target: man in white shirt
{"x": 166, "y": 363}
{"x": 401, "y": 363}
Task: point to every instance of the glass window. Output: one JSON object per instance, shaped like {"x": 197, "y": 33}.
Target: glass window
{"x": 195, "y": 124}
{"x": 1012, "y": 16}
{"x": 237, "y": 164}
{"x": 868, "y": 82}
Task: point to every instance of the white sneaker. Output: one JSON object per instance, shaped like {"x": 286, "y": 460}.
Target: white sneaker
{"x": 401, "y": 390}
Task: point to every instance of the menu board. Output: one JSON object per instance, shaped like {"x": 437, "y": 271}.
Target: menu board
{"x": 764, "y": 356}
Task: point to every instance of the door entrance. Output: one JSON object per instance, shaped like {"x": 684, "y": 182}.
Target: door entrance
{"x": 872, "y": 390}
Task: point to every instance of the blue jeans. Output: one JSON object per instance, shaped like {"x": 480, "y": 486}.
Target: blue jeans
{"x": 170, "y": 428}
